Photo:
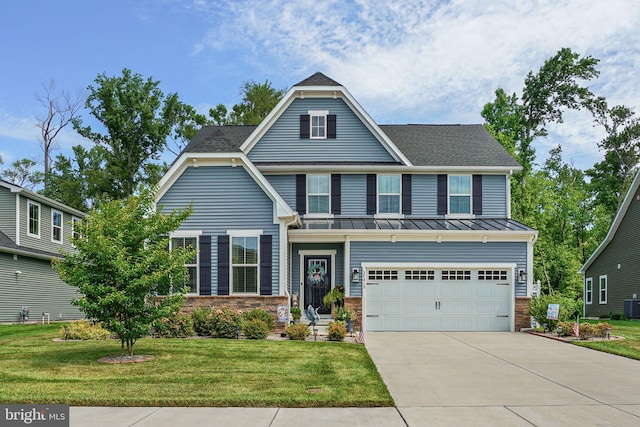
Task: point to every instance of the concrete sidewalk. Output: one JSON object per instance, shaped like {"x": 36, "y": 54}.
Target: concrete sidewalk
{"x": 446, "y": 379}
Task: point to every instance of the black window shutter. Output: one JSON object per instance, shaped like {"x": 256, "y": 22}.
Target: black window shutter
{"x": 223, "y": 265}
{"x": 406, "y": 194}
{"x": 205, "y": 265}
{"x": 301, "y": 194}
{"x": 336, "y": 194}
{"x": 266, "y": 259}
{"x": 331, "y": 126}
{"x": 442, "y": 195}
{"x": 477, "y": 194}
{"x": 305, "y": 126}
{"x": 372, "y": 193}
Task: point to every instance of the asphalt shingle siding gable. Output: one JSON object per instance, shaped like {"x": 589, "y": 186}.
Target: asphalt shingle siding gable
{"x": 424, "y": 145}
{"x": 318, "y": 79}
{"x": 449, "y": 145}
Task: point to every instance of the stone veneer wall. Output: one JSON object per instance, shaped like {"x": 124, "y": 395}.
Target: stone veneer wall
{"x": 245, "y": 303}
{"x": 523, "y": 319}
{"x": 356, "y": 304}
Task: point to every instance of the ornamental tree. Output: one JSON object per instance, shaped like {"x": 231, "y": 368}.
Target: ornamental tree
{"x": 121, "y": 260}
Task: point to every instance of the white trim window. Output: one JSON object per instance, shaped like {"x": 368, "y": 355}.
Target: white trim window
{"x": 191, "y": 280}
{"x": 459, "y": 194}
{"x": 244, "y": 264}
{"x": 56, "y": 226}
{"x": 602, "y": 290}
{"x": 318, "y": 123}
{"x": 588, "y": 290}
{"x": 389, "y": 194}
{"x": 74, "y": 231}
{"x": 33, "y": 219}
{"x": 318, "y": 194}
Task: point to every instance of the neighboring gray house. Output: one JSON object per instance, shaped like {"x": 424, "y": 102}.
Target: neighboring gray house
{"x": 412, "y": 220}
{"x": 611, "y": 273}
{"x": 33, "y": 228}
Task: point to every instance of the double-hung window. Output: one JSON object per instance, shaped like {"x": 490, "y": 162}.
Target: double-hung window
{"x": 318, "y": 121}
{"x": 318, "y": 194}
{"x": 56, "y": 226}
{"x": 603, "y": 290}
{"x": 389, "y": 194}
{"x": 588, "y": 290}
{"x": 191, "y": 278}
{"x": 460, "y": 194}
{"x": 75, "y": 222}
{"x": 33, "y": 219}
{"x": 244, "y": 264}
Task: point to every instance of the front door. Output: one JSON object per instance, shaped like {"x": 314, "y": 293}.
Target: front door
{"x": 317, "y": 281}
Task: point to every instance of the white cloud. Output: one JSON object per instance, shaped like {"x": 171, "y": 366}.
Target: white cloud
{"x": 432, "y": 61}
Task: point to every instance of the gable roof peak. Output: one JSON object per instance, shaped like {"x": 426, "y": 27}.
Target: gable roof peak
{"x": 318, "y": 79}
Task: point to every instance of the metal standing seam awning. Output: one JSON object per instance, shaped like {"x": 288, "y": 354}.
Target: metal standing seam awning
{"x": 415, "y": 224}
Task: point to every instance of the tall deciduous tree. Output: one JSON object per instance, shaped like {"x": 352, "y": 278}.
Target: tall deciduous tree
{"x": 258, "y": 99}
{"x": 60, "y": 109}
{"x": 138, "y": 119}
{"x": 23, "y": 174}
{"x": 121, "y": 260}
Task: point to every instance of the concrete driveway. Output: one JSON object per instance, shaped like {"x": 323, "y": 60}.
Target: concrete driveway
{"x": 504, "y": 379}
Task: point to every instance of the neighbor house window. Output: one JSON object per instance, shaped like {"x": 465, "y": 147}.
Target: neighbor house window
{"x": 603, "y": 290}
{"x": 318, "y": 120}
{"x": 389, "y": 194}
{"x": 460, "y": 194}
{"x": 244, "y": 264}
{"x": 191, "y": 278}
{"x": 318, "y": 194}
{"x": 75, "y": 221}
{"x": 33, "y": 221}
{"x": 588, "y": 290}
{"x": 56, "y": 226}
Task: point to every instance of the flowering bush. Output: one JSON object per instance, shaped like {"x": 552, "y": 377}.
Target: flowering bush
{"x": 84, "y": 330}
{"x": 258, "y": 314}
{"x": 337, "y": 331}
{"x": 255, "y": 329}
{"x": 299, "y": 331}
{"x": 178, "y": 326}
{"x": 202, "y": 321}
{"x": 226, "y": 322}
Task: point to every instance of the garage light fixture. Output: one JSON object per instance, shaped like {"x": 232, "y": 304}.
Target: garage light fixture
{"x": 355, "y": 275}
{"x": 522, "y": 276}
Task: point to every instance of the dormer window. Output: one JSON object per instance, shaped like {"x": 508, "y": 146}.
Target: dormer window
{"x": 318, "y": 124}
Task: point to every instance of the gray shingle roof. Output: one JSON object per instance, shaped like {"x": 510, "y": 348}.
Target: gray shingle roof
{"x": 8, "y": 245}
{"x": 318, "y": 79}
{"x": 424, "y": 145}
{"x": 449, "y": 145}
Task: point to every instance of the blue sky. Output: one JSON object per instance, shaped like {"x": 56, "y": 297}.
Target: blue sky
{"x": 404, "y": 61}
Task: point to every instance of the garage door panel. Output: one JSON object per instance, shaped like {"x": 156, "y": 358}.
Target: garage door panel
{"x": 412, "y": 301}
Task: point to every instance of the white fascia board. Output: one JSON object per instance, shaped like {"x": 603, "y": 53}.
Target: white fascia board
{"x": 395, "y": 236}
{"x": 281, "y": 208}
{"x": 615, "y": 224}
{"x": 275, "y": 168}
{"x": 28, "y": 254}
{"x": 323, "y": 92}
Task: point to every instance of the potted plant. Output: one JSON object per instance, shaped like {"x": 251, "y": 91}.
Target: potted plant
{"x": 296, "y": 314}
{"x": 345, "y": 314}
{"x": 334, "y": 296}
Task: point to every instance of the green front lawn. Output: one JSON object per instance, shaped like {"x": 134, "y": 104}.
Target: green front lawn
{"x": 629, "y": 347}
{"x": 186, "y": 372}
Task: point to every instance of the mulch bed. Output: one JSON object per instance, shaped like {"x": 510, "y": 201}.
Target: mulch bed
{"x": 555, "y": 336}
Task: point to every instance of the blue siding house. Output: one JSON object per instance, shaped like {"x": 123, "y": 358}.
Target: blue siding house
{"x": 412, "y": 221}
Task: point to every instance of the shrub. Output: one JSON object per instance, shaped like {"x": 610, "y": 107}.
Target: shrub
{"x": 84, "y": 330}
{"x": 226, "y": 322}
{"x": 587, "y": 330}
{"x": 178, "y": 326}
{"x": 299, "y": 331}
{"x": 569, "y": 308}
{"x": 337, "y": 331}
{"x": 202, "y": 318}
{"x": 255, "y": 329}
{"x": 618, "y": 316}
{"x": 258, "y": 314}
{"x": 567, "y": 328}
{"x": 601, "y": 329}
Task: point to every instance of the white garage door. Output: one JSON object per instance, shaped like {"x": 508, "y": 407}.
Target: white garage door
{"x": 448, "y": 299}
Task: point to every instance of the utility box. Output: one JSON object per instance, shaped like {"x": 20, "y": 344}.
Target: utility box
{"x": 632, "y": 308}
